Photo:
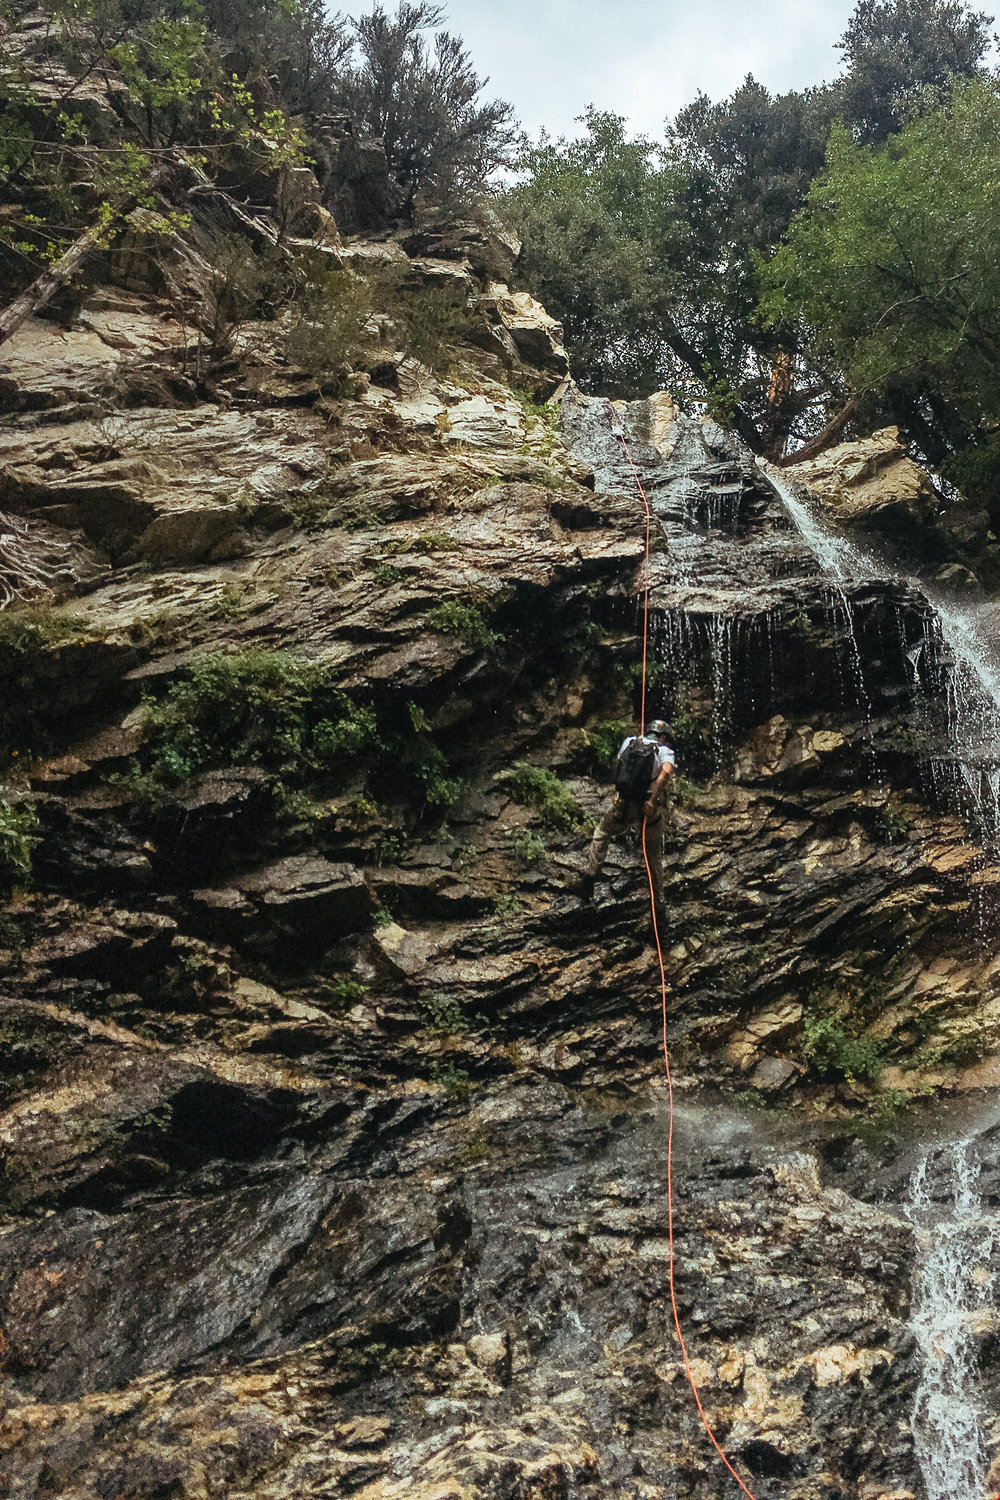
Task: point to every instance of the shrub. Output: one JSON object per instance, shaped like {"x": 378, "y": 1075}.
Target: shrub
{"x": 830, "y": 1047}
{"x": 605, "y": 740}
{"x": 260, "y": 708}
{"x": 327, "y": 336}
{"x": 527, "y": 846}
{"x": 433, "y": 322}
{"x": 465, "y": 621}
{"x": 541, "y": 789}
{"x": 18, "y": 825}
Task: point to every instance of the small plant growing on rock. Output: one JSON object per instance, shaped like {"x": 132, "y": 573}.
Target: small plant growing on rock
{"x": 466, "y": 621}
{"x": 506, "y": 907}
{"x": 891, "y": 823}
{"x": 231, "y": 603}
{"x": 830, "y": 1048}
{"x": 341, "y": 992}
{"x": 541, "y": 789}
{"x": 443, "y": 1013}
{"x": 528, "y": 847}
{"x": 18, "y": 836}
{"x": 455, "y": 1081}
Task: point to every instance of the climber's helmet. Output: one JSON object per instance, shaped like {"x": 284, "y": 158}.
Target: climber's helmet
{"x": 659, "y": 729}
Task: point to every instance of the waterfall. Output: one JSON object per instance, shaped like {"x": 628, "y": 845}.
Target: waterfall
{"x": 957, "y": 647}
{"x": 952, "y": 1297}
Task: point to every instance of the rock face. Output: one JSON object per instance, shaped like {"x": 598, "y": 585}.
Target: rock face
{"x": 332, "y": 1120}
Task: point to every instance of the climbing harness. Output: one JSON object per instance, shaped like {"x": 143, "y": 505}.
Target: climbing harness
{"x": 619, "y": 432}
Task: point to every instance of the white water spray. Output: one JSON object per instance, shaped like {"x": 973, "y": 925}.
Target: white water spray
{"x": 952, "y": 1302}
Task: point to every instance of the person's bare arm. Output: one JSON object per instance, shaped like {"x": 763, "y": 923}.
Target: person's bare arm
{"x": 657, "y": 789}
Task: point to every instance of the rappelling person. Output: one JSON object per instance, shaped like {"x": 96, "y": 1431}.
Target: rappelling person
{"x": 643, "y": 770}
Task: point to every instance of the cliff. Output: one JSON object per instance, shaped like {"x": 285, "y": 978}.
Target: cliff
{"x": 333, "y": 1121}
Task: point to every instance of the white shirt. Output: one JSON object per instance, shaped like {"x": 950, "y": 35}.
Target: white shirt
{"x": 664, "y": 755}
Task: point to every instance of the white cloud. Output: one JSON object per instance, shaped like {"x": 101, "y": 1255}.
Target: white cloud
{"x": 644, "y": 60}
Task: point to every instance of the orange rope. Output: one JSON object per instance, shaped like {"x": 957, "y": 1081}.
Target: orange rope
{"x": 663, "y": 1007}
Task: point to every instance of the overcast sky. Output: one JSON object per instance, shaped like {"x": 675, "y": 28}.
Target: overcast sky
{"x": 641, "y": 58}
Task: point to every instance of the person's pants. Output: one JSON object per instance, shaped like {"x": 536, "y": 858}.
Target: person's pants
{"x": 620, "y": 818}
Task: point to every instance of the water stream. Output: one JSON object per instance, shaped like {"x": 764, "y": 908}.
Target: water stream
{"x": 953, "y": 1280}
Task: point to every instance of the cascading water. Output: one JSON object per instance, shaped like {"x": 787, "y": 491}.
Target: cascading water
{"x": 957, "y": 656}
{"x": 953, "y": 1279}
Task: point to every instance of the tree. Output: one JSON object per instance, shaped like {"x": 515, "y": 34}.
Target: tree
{"x": 645, "y": 250}
{"x": 894, "y": 48}
{"x": 422, "y": 100}
{"x": 892, "y": 268}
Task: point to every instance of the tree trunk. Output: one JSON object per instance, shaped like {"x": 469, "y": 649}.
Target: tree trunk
{"x": 44, "y": 287}
{"x": 699, "y": 366}
{"x": 823, "y": 439}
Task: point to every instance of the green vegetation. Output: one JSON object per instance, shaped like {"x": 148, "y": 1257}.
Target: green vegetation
{"x": 454, "y": 1080}
{"x": 227, "y": 90}
{"x": 528, "y": 847}
{"x": 340, "y": 992}
{"x": 891, "y": 823}
{"x": 830, "y": 1048}
{"x": 433, "y": 323}
{"x": 605, "y": 740}
{"x": 444, "y": 1013}
{"x": 464, "y": 620}
{"x": 541, "y": 789}
{"x": 654, "y": 253}
{"x": 892, "y": 264}
{"x": 506, "y": 906}
{"x": 259, "y": 707}
{"x": 329, "y": 333}
{"x": 422, "y": 758}
{"x": 18, "y": 835}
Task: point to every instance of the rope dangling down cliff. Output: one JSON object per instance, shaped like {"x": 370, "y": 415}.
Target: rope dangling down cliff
{"x": 619, "y": 432}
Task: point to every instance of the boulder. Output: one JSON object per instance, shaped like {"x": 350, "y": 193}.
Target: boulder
{"x": 298, "y": 905}
{"x": 872, "y": 482}
{"x": 193, "y": 535}
{"x": 537, "y": 337}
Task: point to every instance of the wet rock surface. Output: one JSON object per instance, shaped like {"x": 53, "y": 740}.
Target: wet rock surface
{"x": 331, "y": 1117}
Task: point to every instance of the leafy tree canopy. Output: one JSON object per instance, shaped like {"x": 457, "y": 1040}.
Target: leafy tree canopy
{"x": 892, "y": 267}
{"x": 894, "y": 48}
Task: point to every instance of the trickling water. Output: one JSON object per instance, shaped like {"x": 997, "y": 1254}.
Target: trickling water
{"x": 953, "y": 1283}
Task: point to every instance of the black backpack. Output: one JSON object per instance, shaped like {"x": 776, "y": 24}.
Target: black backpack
{"x": 635, "y": 769}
